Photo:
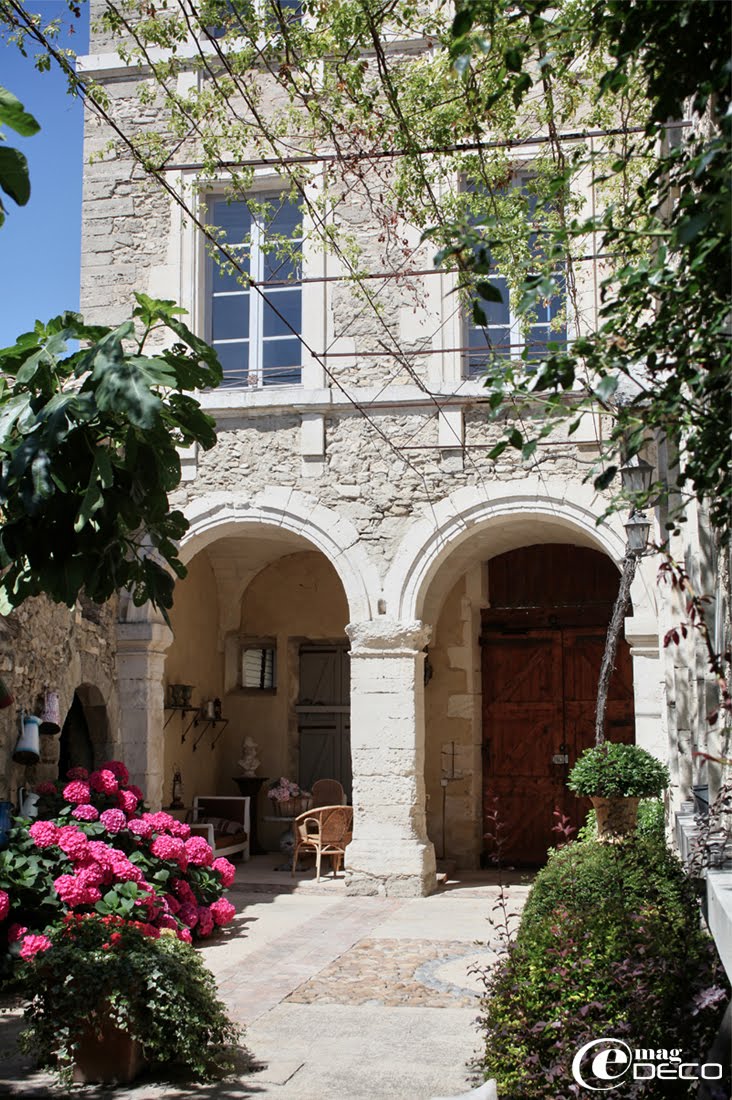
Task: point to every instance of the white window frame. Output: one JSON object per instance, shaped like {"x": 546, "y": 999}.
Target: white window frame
{"x": 254, "y": 377}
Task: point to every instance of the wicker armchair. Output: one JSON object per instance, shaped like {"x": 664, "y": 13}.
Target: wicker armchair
{"x": 326, "y": 830}
{"x": 328, "y": 792}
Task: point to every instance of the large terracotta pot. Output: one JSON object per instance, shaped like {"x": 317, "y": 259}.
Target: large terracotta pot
{"x": 106, "y": 1053}
{"x": 616, "y": 817}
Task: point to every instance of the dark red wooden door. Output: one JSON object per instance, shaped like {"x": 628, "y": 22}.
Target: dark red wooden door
{"x": 539, "y": 691}
{"x": 522, "y": 728}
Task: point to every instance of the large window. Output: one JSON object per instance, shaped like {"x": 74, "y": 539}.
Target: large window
{"x": 256, "y": 336}
{"x": 505, "y": 334}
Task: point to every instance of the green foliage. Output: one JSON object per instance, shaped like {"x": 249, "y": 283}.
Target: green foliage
{"x": 610, "y": 944}
{"x": 157, "y": 989}
{"x": 14, "y": 177}
{"x": 612, "y": 769}
{"x": 659, "y": 360}
{"x": 89, "y": 442}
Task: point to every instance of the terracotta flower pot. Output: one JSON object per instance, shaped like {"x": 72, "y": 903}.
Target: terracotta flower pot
{"x": 107, "y": 1053}
{"x": 616, "y": 817}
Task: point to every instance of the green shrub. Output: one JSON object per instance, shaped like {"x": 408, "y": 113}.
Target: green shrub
{"x": 610, "y": 944}
{"x": 147, "y": 983}
{"x": 610, "y": 770}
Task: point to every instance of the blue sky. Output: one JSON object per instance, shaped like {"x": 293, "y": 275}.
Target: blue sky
{"x": 40, "y": 243}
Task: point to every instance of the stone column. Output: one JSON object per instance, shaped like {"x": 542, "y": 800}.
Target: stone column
{"x": 390, "y": 852}
{"x": 141, "y": 648}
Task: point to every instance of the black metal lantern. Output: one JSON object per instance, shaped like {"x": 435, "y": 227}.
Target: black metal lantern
{"x": 636, "y": 475}
{"x": 637, "y": 529}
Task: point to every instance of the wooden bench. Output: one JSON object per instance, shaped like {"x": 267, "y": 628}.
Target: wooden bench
{"x": 215, "y": 818}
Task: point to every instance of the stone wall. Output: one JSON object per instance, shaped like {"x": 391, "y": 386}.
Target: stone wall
{"x": 49, "y": 646}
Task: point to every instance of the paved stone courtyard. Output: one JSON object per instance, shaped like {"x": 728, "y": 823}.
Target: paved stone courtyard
{"x": 340, "y": 996}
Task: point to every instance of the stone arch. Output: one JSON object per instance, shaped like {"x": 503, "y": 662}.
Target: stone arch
{"x": 466, "y": 524}
{"x": 88, "y": 712}
{"x": 225, "y": 514}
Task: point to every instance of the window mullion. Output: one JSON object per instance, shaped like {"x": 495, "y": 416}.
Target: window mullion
{"x": 256, "y": 304}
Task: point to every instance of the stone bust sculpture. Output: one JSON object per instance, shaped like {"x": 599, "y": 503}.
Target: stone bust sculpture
{"x": 249, "y": 760}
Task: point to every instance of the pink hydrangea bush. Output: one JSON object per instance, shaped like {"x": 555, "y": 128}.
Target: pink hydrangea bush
{"x": 96, "y": 849}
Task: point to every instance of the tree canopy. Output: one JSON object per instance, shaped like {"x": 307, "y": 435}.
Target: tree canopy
{"x": 89, "y": 439}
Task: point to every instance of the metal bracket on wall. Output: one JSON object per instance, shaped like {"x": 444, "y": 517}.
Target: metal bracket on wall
{"x": 213, "y": 722}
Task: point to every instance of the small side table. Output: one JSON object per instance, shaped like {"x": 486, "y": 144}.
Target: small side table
{"x": 249, "y": 786}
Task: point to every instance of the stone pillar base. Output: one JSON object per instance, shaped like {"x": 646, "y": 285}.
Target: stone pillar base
{"x": 399, "y": 871}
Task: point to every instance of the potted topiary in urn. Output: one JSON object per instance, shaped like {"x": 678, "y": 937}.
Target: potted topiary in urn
{"x": 615, "y": 777}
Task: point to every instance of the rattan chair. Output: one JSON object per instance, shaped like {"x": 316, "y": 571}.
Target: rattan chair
{"x": 326, "y": 830}
{"x": 328, "y": 792}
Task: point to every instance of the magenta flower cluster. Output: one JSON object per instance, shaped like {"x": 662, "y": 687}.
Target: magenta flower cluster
{"x": 282, "y": 789}
{"x": 97, "y": 844}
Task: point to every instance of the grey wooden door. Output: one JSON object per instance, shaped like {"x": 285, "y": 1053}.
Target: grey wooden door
{"x": 324, "y": 714}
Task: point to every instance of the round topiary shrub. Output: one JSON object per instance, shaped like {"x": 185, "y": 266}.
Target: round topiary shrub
{"x": 610, "y": 945}
{"x": 613, "y": 770}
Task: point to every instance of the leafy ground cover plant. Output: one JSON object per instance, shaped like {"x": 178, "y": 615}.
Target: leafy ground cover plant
{"x": 614, "y": 770}
{"x": 93, "y": 969}
{"x": 610, "y": 944}
{"x": 95, "y": 849}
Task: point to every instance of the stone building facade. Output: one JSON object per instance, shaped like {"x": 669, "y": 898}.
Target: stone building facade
{"x": 413, "y": 609}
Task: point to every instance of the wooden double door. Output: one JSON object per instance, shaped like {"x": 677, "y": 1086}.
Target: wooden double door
{"x": 539, "y": 694}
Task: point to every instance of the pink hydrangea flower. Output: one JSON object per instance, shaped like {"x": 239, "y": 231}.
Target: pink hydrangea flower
{"x": 183, "y": 890}
{"x": 73, "y": 842}
{"x": 113, "y": 820}
{"x": 104, "y": 781}
{"x": 205, "y": 924}
{"x": 74, "y": 892}
{"x": 4, "y": 904}
{"x": 226, "y": 870}
{"x": 140, "y": 827}
{"x": 45, "y": 787}
{"x": 102, "y": 852}
{"x": 77, "y": 773}
{"x": 118, "y": 770}
{"x": 222, "y": 911}
{"x": 15, "y": 931}
{"x": 127, "y": 801}
{"x": 44, "y": 833}
{"x": 185, "y": 935}
{"x": 180, "y": 829}
{"x": 33, "y": 945}
{"x": 85, "y": 812}
{"x": 172, "y": 903}
{"x": 189, "y": 914}
{"x": 77, "y": 791}
{"x": 168, "y": 847}
{"x": 91, "y": 873}
{"x": 198, "y": 851}
{"x": 124, "y": 871}
{"x": 161, "y": 822}
{"x": 168, "y": 922}
{"x": 134, "y": 789}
